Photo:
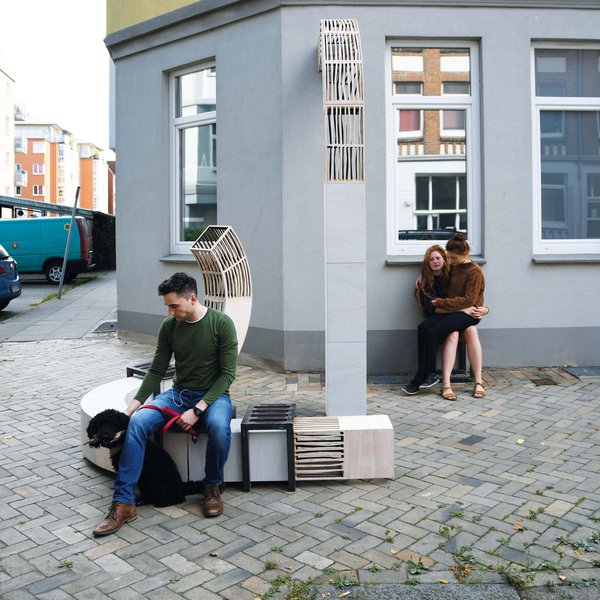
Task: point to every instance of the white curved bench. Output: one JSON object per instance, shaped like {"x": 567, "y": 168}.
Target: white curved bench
{"x": 188, "y": 457}
{"x": 115, "y": 394}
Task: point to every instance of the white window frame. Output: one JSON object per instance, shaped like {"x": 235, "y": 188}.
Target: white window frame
{"x": 39, "y": 190}
{"x": 39, "y": 169}
{"x": 470, "y": 104}
{"x": 177, "y": 125}
{"x": 557, "y": 103}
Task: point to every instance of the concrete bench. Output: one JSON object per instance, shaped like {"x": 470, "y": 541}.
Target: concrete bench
{"x": 188, "y": 457}
{"x": 115, "y": 394}
{"x": 360, "y": 447}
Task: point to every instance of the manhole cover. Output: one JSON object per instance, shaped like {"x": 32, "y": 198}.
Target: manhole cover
{"x": 583, "y": 371}
{"x": 106, "y": 327}
{"x": 543, "y": 381}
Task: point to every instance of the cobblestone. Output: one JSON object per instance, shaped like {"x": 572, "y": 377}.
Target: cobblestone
{"x": 466, "y": 474}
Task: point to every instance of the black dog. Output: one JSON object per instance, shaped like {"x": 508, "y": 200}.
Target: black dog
{"x": 160, "y": 482}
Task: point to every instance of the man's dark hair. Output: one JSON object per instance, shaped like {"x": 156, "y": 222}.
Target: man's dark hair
{"x": 180, "y": 283}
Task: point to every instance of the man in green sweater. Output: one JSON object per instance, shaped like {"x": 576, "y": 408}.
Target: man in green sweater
{"x": 204, "y": 344}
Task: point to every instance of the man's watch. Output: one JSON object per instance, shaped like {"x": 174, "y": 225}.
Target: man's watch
{"x": 197, "y": 411}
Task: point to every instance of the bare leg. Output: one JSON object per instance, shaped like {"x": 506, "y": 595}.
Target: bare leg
{"x": 448, "y": 359}
{"x": 474, "y": 351}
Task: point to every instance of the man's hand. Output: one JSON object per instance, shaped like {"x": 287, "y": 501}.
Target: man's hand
{"x": 132, "y": 407}
{"x": 188, "y": 419}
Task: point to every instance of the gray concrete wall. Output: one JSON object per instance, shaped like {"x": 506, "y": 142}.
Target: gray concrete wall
{"x": 271, "y": 182}
{"x": 249, "y": 166}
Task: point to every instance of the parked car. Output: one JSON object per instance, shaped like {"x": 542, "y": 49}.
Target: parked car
{"x": 38, "y": 244}
{"x": 10, "y": 282}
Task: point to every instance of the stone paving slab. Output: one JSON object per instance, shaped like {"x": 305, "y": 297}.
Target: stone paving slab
{"x": 486, "y": 491}
{"x": 480, "y": 490}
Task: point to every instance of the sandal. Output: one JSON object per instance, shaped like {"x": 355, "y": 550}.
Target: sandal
{"x": 447, "y": 393}
{"x": 478, "y": 393}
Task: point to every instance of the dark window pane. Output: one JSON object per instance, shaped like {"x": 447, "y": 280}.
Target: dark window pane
{"x": 572, "y": 73}
{"x": 552, "y": 122}
{"x": 408, "y": 87}
{"x": 553, "y": 205}
{"x": 422, "y": 184}
{"x": 443, "y": 192}
{"x": 462, "y": 191}
{"x": 570, "y": 200}
{"x": 447, "y": 221}
{"x": 459, "y": 88}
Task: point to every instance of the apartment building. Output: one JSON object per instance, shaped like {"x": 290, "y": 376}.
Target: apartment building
{"x": 7, "y": 134}
{"x": 93, "y": 178}
{"x": 49, "y": 155}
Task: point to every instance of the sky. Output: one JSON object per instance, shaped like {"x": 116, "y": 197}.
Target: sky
{"x": 54, "y": 51}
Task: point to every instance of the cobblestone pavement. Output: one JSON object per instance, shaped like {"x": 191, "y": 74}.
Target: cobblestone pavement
{"x": 489, "y": 491}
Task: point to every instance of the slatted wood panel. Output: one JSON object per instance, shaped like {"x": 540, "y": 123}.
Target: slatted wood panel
{"x": 340, "y": 62}
{"x": 226, "y": 275}
{"x": 319, "y": 448}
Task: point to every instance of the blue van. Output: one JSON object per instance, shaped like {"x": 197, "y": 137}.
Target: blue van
{"x": 38, "y": 245}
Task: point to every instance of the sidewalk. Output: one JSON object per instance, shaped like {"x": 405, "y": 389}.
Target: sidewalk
{"x": 78, "y": 311}
{"x": 487, "y": 492}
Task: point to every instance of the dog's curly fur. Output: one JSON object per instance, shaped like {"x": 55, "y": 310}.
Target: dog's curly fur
{"x": 160, "y": 482}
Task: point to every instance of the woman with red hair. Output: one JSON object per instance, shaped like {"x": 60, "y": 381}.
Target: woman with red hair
{"x": 450, "y": 291}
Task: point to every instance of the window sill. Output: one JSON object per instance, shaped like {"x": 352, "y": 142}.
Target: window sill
{"x": 402, "y": 261}
{"x": 178, "y": 258}
{"x": 555, "y": 259}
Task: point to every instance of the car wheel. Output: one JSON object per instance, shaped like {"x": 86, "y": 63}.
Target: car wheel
{"x": 53, "y": 271}
{"x": 3, "y": 304}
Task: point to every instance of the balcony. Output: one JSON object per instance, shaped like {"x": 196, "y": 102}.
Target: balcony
{"x": 21, "y": 178}
{"x": 20, "y": 145}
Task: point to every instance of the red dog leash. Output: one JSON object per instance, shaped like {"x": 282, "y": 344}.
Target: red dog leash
{"x": 173, "y": 417}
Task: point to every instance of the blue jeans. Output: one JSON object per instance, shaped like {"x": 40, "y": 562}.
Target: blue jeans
{"x": 145, "y": 422}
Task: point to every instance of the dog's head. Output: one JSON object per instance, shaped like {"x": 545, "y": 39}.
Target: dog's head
{"x": 107, "y": 428}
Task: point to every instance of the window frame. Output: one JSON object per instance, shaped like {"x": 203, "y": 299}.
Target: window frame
{"x": 471, "y": 105}
{"x": 567, "y": 246}
{"x": 177, "y": 125}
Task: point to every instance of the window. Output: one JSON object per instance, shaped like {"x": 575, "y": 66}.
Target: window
{"x": 37, "y": 147}
{"x": 566, "y": 121}
{"x": 194, "y": 127}
{"x": 39, "y": 169}
{"x": 39, "y": 190}
{"x": 433, "y": 147}
{"x": 17, "y": 190}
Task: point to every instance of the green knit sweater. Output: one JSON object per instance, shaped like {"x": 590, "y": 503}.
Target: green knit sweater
{"x": 205, "y": 356}
{"x": 466, "y": 288}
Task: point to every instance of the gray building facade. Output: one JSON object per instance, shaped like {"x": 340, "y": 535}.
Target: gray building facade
{"x": 479, "y": 116}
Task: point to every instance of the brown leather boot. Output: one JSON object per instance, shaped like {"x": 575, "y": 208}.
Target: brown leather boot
{"x": 119, "y": 514}
{"x": 213, "y": 503}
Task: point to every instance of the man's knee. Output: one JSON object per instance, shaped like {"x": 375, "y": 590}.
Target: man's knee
{"x": 139, "y": 426}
